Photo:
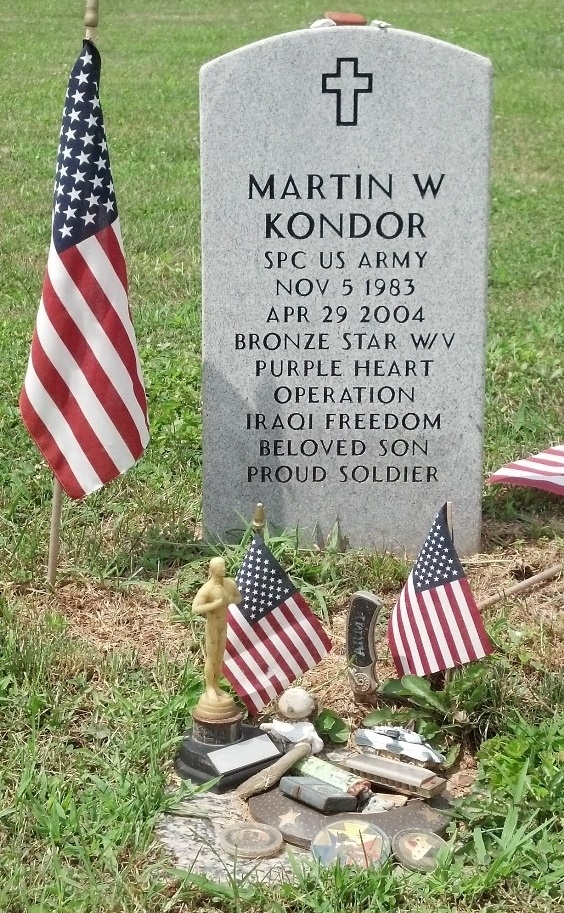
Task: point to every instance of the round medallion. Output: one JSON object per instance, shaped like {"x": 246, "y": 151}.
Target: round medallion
{"x": 353, "y": 842}
{"x": 251, "y": 841}
{"x": 417, "y": 849}
{"x": 361, "y": 681}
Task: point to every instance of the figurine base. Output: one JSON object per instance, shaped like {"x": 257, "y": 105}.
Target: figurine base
{"x": 215, "y": 754}
{"x": 217, "y": 732}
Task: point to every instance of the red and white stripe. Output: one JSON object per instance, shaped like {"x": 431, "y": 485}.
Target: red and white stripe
{"x": 263, "y": 659}
{"x": 83, "y": 399}
{"x": 545, "y": 470}
{"x": 436, "y": 629}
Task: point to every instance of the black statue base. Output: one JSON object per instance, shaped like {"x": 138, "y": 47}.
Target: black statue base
{"x": 228, "y": 749}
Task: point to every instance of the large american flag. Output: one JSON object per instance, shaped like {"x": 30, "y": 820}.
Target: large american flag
{"x": 544, "y": 470}
{"x": 83, "y": 399}
{"x": 436, "y": 623}
{"x": 273, "y": 636}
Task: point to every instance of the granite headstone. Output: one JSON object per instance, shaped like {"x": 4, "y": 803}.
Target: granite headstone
{"x": 344, "y": 242}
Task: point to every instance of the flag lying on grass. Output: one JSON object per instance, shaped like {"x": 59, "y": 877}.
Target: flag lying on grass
{"x": 544, "y": 470}
{"x": 272, "y": 636}
{"x": 83, "y": 400}
{"x": 436, "y": 623}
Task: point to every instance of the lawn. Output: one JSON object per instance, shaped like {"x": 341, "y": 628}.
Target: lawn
{"x": 97, "y": 679}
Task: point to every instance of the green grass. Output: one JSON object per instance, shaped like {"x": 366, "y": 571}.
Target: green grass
{"x": 85, "y": 746}
{"x": 86, "y": 743}
{"x": 86, "y": 739}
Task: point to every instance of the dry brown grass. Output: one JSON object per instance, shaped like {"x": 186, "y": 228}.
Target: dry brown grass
{"x": 133, "y": 619}
{"x": 138, "y": 618}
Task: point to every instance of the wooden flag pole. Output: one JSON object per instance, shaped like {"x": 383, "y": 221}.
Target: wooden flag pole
{"x": 54, "y": 534}
{"x": 448, "y": 672}
{"x": 524, "y": 585}
{"x": 449, "y": 519}
{"x": 91, "y": 19}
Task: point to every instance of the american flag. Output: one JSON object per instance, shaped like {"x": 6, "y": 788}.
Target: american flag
{"x": 544, "y": 470}
{"x": 436, "y": 623}
{"x": 273, "y": 636}
{"x": 83, "y": 399}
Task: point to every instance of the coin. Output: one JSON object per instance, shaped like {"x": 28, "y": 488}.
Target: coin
{"x": 417, "y": 849}
{"x": 353, "y": 842}
{"x": 251, "y": 841}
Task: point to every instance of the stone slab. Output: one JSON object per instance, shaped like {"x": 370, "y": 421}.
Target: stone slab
{"x": 344, "y": 244}
{"x": 193, "y": 839}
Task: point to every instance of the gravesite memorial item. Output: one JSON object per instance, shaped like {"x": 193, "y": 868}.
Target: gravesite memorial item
{"x": 404, "y": 778}
{"x": 83, "y": 398}
{"x": 418, "y": 850}
{"x": 299, "y": 824}
{"x": 352, "y": 842}
{"x": 334, "y": 776}
{"x": 436, "y": 623}
{"x": 344, "y": 244}
{"x": 273, "y": 637}
{"x": 251, "y": 841}
{"x": 360, "y": 643}
{"x": 401, "y": 744}
{"x": 219, "y": 745}
{"x": 316, "y": 794}
{"x": 544, "y": 470}
{"x": 272, "y": 774}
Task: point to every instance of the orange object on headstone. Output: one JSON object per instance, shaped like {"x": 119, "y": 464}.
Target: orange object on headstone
{"x": 346, "y": 18}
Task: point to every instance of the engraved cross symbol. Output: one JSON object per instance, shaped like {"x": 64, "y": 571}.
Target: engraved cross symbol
{"x": 347, "y": 84}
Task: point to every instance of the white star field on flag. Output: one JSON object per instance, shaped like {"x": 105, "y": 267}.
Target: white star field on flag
{"x": 437, "y": 562}
{"x": 84, "y": 199}
{"x": 262, "y": 584}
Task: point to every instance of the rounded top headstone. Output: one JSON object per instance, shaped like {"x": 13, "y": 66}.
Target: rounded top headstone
{"x": 346, "y": 18}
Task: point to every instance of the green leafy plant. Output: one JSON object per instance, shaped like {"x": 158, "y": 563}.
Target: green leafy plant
{"x": 330, "y": 725}
{"x": 474, "y": 702}
{"x": 441, "y": 717}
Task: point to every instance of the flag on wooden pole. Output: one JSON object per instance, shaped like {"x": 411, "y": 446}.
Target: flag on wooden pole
{"x": 545, "y": 470}
{"x": 273, "y": 636}
{"x": 436, "y": 623}
{"x": 83, "y": 399}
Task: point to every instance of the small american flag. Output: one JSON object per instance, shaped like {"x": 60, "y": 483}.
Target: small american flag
{"x": 436, "y": 623}
{"x": 83, "y": 399}
{"x": 544, "y": 470}
{"x": 273, "y": 636}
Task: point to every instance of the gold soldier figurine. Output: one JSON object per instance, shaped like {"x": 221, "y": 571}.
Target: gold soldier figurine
{"x": 212, "y": 600}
